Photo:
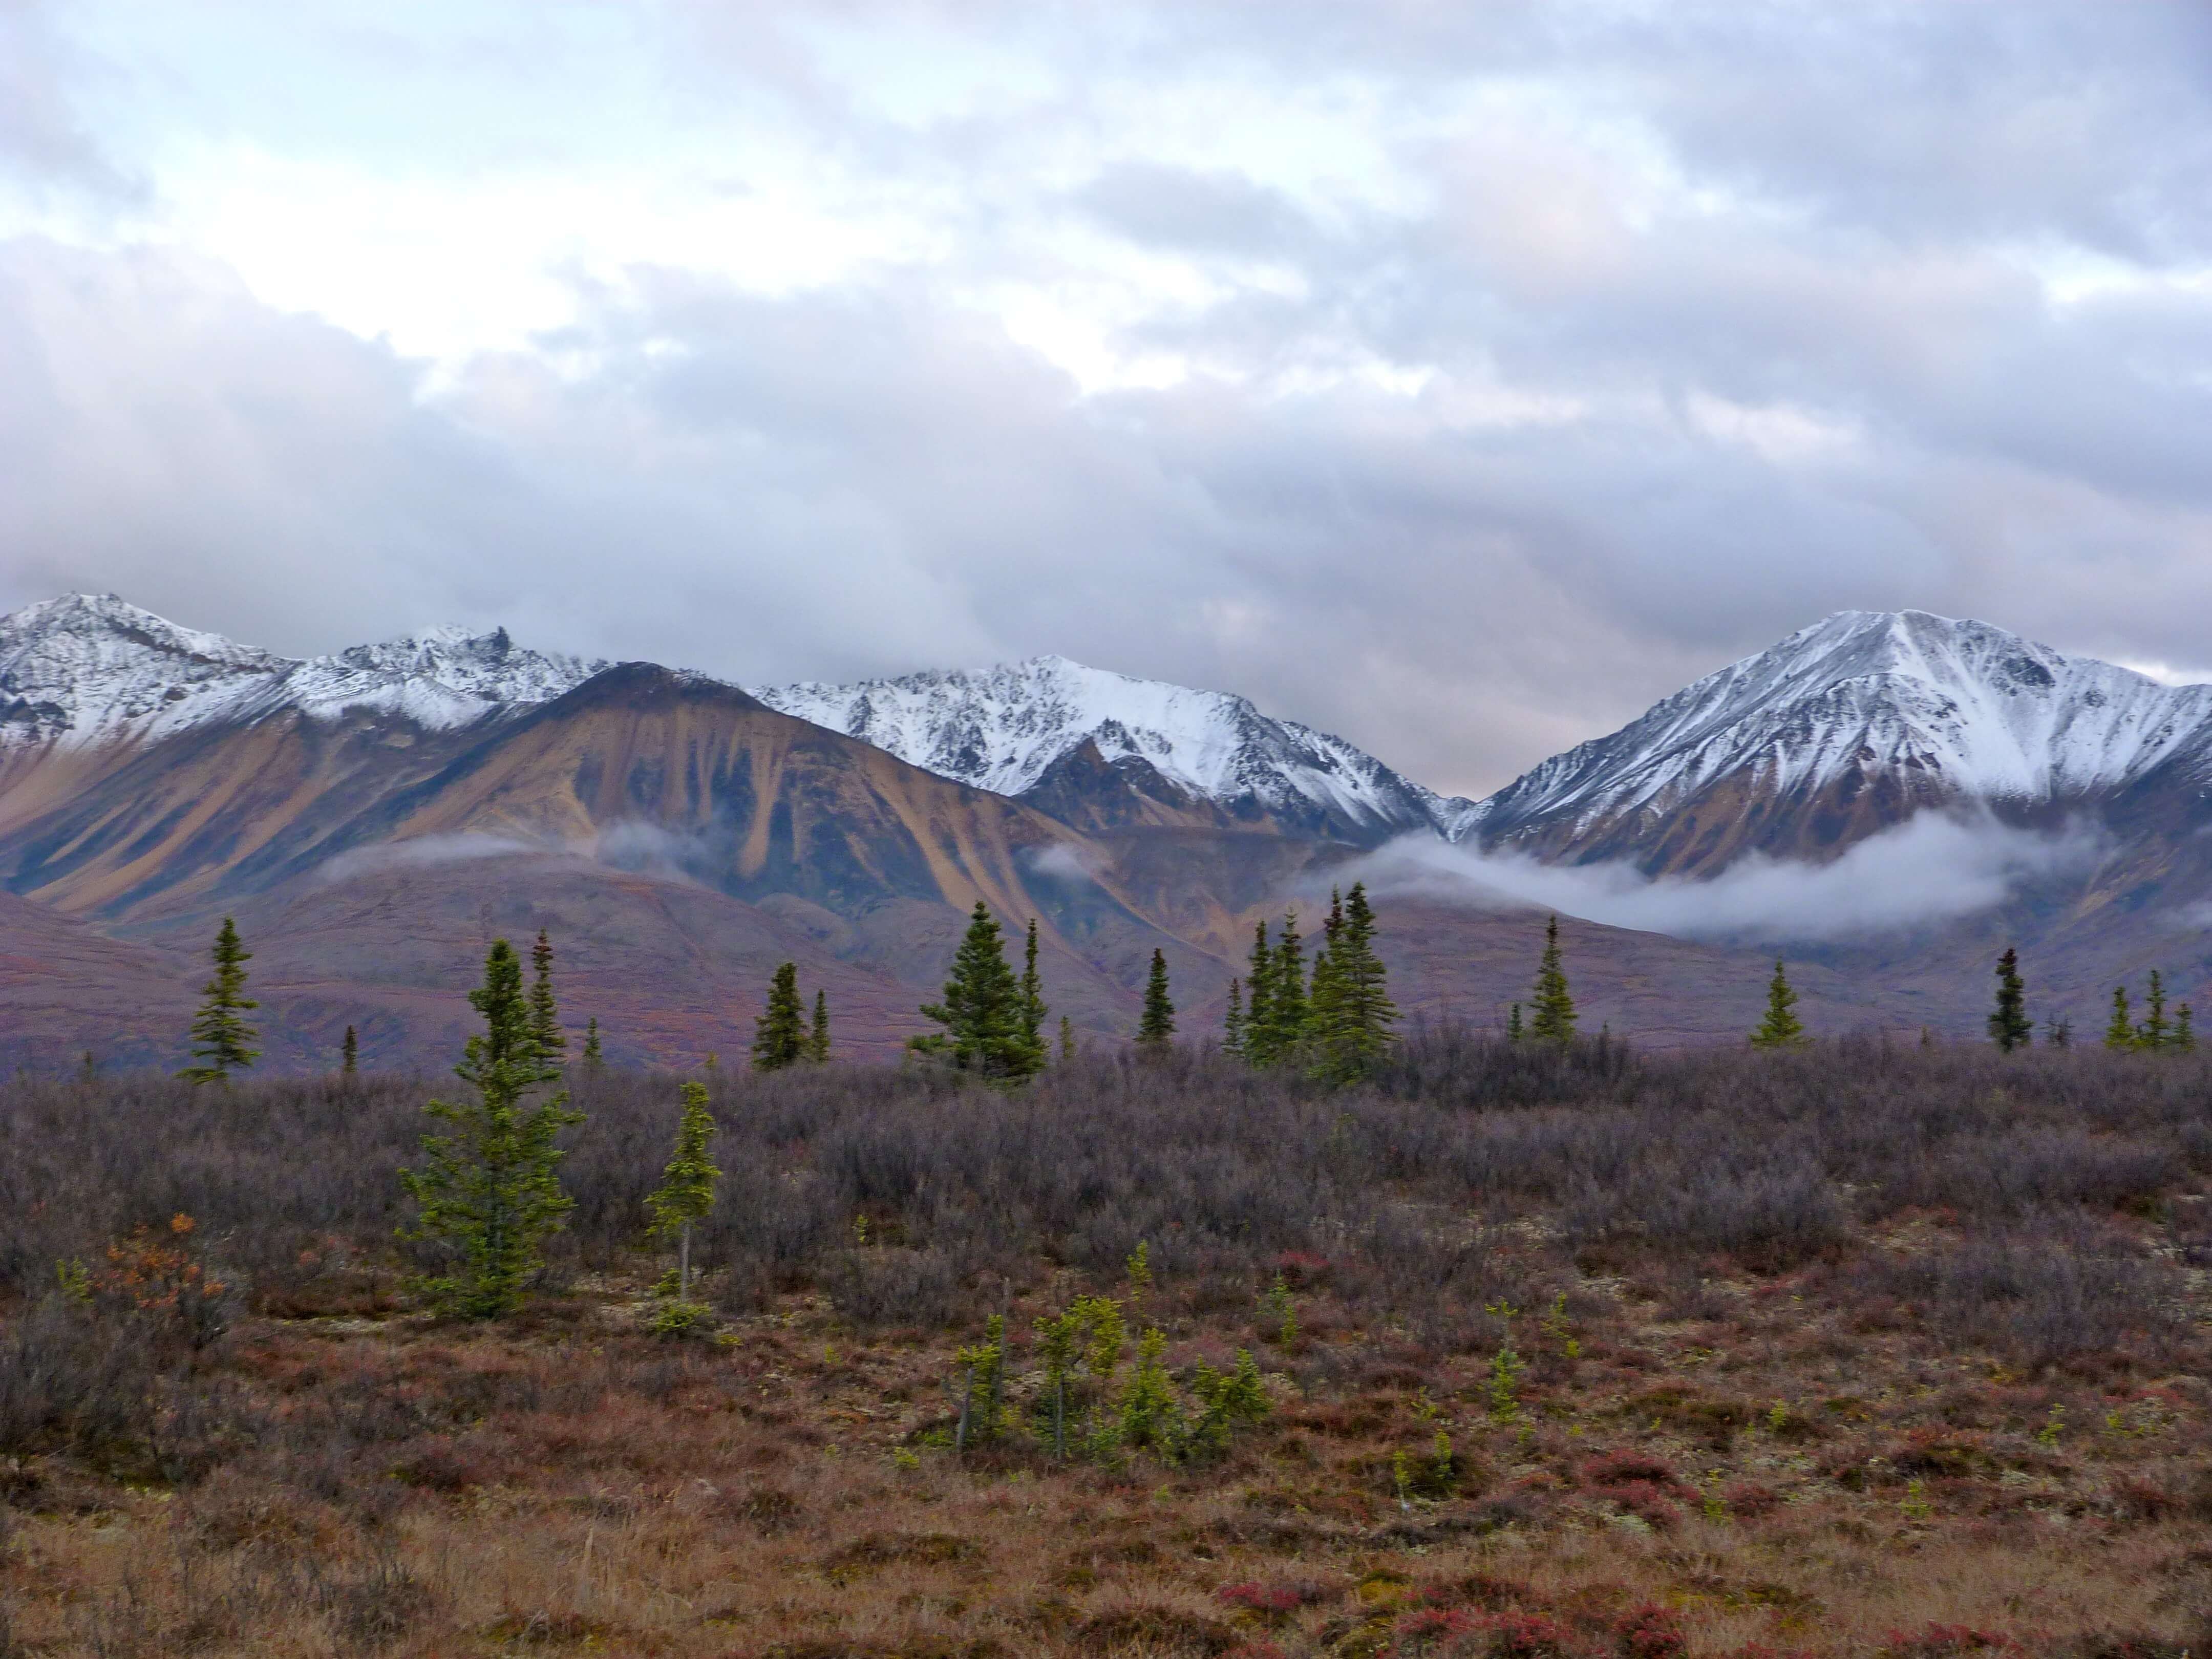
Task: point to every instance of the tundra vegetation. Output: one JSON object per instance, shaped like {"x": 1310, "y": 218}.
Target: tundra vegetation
{"x": 1834, "y": 1347}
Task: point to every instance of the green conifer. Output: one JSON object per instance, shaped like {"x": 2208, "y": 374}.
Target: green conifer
{"x": 1351, "y": 1017}
{"x": 817, "y": 1040}
{"x": 2121, "y": 1033}
{"x": 685, "y": 1196}
{"x": 1157, "y": 1024}
{"x": 1287, "y": 1003}
{"x": 1514, "y": 1032}
{"x": 1232, "y": 1022}
{"x": 350, "y": 1054}
{"x": 223, "y": 1042}
{"x": 2010, "y": 1025}
{"x": 1553, "y": 1019}
{"x": 488, "y": 1194}
{"x": 1259, "y": 1010}
{"x": 2184, "y": 1034}
{"x": 1033, "y": 1008}
{"x": 1781, "y": 1029}
{"x": 593, "y": 1057}
{"x": 1066, "y": 1039}
{"x": 2154, "y": 1033}
{"x": 780, "y": 1031}
{"x": 544, "y": 1013}
{"x": 986, "y": 1012}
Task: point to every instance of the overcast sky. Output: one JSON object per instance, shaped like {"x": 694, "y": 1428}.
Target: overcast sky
{"x": 1458, "y": 377}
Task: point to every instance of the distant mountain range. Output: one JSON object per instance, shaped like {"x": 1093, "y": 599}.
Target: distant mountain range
{"x": 373, "y": 816}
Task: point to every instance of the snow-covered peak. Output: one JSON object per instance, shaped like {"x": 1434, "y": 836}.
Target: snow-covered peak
{"x": 1004, "y": 729}
{"x": 1968, "y": 711}
{"x": 88, "y": 669}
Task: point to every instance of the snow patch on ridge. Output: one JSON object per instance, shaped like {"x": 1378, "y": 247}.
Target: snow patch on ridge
{"x": 1004, "y": 729}
{"x": 89, "y": 669}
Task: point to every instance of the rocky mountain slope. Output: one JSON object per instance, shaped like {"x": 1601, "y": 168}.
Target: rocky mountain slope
{"x": 1074, "y": 738}
{"x": 1843, "y": 729}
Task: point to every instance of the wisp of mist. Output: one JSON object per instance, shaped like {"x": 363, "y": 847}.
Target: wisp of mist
{"x": 1930, "y": 868}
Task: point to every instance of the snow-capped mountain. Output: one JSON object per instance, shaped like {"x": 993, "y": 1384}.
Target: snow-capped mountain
{"x": 1842, "y": 727}
{"x": 89, "y": 669}
{"x": 1013, "y": 729}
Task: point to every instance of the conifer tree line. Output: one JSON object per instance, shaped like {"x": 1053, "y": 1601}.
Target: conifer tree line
{"x": 1336, "y": 1025}
{"x": 782, "y": 1036}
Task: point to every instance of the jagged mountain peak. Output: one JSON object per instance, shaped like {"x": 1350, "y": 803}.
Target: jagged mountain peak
{"x": 1904, "y": 708}
{"x": 1005, "y": 728}
{"x": 86, "y": 669}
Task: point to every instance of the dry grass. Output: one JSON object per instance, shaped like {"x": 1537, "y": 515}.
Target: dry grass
{"x": 1892, "y": 1427}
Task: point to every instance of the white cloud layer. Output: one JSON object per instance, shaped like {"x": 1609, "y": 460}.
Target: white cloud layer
{"x": 1926, "y": 871}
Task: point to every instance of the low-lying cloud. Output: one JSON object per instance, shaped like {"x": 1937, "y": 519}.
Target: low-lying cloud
{"x": 1930, "y": 869}
{"x": 426, "y": 852}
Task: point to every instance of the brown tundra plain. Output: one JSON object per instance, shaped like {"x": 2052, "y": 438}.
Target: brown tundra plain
{"x": 1856, "y": 1350}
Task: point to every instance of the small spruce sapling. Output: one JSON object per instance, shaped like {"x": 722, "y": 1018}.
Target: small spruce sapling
{"x": 817, "y": 1040}
{"x": 2121, "y": 1032}
{"x": 1066, "y": 1039}
{"x": 2154, "y": 1033}
{"x": 593, "y": 1056}
{"x": 1781, "y": 1029}
{"x": 2010, "y": 1025}
{"x": 350, "y": 1054}
{"x": 545, "y": 1011}
{"x": 780, "y": 1033}
{"x": 223, "y": 1042}
{"x": 1554, "y": 1004}
{"x": 1149, "y": 1416}
{"x": 684, "y": 1198}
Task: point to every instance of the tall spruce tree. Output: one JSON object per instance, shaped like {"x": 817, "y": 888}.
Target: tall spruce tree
{"x": 1550, "y": 1003}
{"x": 1259, "y": 1010}
{"x": 489, "y": 1193}
{"x": 545, "y": 1013}
{"x": 1287, "y": 1003}
{"x": 780, "y": 1031}
{"x": 1233, "y": 1021}
{"x": 2010, "y": 1025}
{"x": 1033, "y": 1008}
{"x": 223, "y": 1042}
{"x": 2154, "y": 1033}
{"x": 2121, "y": 1033}
{"x": 817, "y": 1040}
{"x": 1351, "y": 1022}
{"x": 350, "y": 1054}
{"x": 1157, "y": 1024}
{"x": 685, "y": 1196}
{"x": 1781, "y": 1029}
{"x": 985, "y": 1012}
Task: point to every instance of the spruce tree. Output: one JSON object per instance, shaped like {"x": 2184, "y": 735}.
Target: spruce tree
{"x": 544, "y": 1013}
{"x": 2185, "y": 1035}
{"x": 1066, "y": 1039}
{"x": 817, "y": 1040}
{"x": 1781, "y": 1029}
{"x": 1259, "y": 1010}
{"x": 780, "y": 1031}
{"x": 1351, "y": 1017}
{"x": 2058, "y": 1033}
{"x": 1232, "y": 1022}
{"x": 2154, "y": 1033}
{"x": 1514, "y": 1032}
{"x": 350, "y": 1054}
{"x": 2010, "y": 1025}
{"x": 1157, "y": 1024}
{"x": 2121, "y": 1033}
{"x": 223, "y": 1042}
{"x": 1554, "y": 1006}
{"x": 685, "y": 1196}
{"x": 488, "y": 1193}
{"x": 1287, "y": 996}
{"x": 1033, "y": 1008}
{"x": 593, "y": 1055}
{"x": 985, "y": 1013}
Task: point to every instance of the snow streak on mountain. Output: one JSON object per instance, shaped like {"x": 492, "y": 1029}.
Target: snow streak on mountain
{"x": 1005, "y": 728}
{"x": 1932, "y": 710}
{"x": 88, "y": 669}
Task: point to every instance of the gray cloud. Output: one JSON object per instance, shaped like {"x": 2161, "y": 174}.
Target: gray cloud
{"x": 1688, "y": 324}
